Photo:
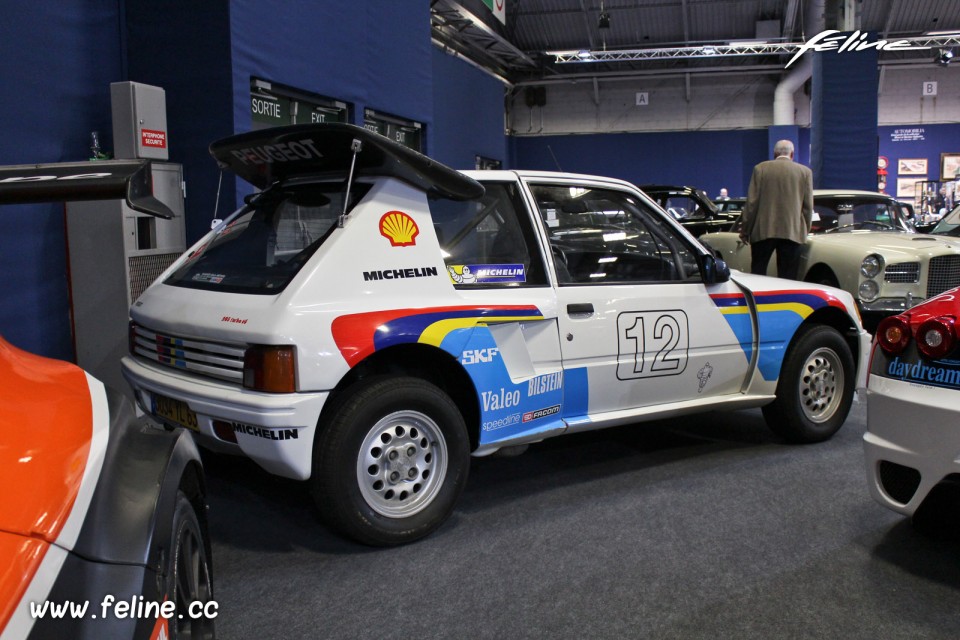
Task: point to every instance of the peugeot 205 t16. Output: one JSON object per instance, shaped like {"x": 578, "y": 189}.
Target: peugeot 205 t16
{"x": 371, "y": 318}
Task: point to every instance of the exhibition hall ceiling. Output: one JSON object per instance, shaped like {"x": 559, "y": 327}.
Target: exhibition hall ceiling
{"x": 556, "y": 39}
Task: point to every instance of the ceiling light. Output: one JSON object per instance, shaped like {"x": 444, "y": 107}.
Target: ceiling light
{"x": 944, "y": 56}
{"x": 604, "y": 22}
{"x": 585, "y": 55}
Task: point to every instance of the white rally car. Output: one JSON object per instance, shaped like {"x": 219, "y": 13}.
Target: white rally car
{"x": 371, "y": 318}
{"x": 912, "y": 443}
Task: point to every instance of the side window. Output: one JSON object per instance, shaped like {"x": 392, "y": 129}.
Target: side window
{"x": 490, "y": 241}
{"x": 606, "y": 236}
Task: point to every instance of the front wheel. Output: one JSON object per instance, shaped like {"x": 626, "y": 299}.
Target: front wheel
{"x": 816, "y": 386}
{"x": 188, "y": 574}
{"x": 391, "y": 461}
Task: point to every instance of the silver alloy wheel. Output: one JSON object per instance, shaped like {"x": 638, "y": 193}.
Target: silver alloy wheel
{"x": 402, "y": 464}
{"x": 821, "y": 385}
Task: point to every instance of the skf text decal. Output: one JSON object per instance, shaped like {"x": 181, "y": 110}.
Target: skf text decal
{"x": 652, "y": 344}
{"x": 399, "y": 229}
{"x": 396, "y": 274}
{"x": 479, "y": 356}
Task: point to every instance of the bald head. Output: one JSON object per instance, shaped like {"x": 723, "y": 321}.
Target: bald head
{"x": 783, "y": 148}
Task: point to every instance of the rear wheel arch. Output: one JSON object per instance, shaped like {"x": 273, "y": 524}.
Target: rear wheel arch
{"x": 425, "y": 362}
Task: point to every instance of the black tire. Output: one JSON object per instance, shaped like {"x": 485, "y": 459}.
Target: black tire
{"x": 391, "y": 461}
{"x": 816, "y": 387}
{"x": 189, "y": 578}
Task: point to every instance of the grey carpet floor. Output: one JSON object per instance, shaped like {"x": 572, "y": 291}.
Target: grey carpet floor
{"x": 703, "y": 527}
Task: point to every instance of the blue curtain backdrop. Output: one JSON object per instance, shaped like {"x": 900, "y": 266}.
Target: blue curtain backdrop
{"x": 844, "y": 119}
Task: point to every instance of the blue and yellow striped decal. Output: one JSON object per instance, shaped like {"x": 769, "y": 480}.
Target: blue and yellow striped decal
{"x": 360, "y": 334}
{"x": 779, "y": 314}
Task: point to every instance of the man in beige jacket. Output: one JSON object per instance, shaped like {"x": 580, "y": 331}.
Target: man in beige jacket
{"x": 778, "y": 212}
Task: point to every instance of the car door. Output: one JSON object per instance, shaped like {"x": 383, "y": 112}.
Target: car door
{"x": 639, "y": 328}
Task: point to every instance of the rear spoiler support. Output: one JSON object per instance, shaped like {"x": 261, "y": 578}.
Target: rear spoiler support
{"x": 130, "y": 180}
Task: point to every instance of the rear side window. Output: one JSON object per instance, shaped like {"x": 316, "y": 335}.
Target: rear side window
{"x": 262, "y": 249}
{"x": 490, "y": 241}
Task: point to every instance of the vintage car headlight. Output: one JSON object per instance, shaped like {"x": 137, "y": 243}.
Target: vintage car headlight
{"x": 869, "y": 290}
{"x": 872, "y": 265}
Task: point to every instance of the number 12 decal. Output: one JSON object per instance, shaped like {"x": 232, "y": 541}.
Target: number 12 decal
{"x": 651, "y": 344}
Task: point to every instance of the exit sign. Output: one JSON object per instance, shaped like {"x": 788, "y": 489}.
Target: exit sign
{"x": 499, "y": 8}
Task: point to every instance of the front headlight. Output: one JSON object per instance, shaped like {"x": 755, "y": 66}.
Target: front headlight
{"x": 869, "y": 290}
{"x": 872, "y": 265}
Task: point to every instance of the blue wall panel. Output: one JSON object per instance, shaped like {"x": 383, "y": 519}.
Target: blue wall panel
{"x": 911, "y": 141}
{"x": 59, "y": 60}
{"x": 468, "y": 114}
{"x": 708, "y": 160}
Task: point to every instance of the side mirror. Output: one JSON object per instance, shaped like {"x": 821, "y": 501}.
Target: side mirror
{"x": 714, "y": 270}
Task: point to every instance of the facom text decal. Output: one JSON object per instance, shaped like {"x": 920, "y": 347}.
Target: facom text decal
{"x": 541, "y": 413}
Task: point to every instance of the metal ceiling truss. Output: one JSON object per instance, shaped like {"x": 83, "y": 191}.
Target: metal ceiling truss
{"x": 453, "y": 24}
{"x": 719, "y": 50}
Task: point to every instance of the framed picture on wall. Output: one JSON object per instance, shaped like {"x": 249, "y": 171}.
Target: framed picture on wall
{"x": 906, "y": 187}
{"x": 912, "y": 167}
{"x": 949, "y": 166}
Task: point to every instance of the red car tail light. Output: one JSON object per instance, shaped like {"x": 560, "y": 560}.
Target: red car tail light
{"x": 893, "y": 334}
{"x": 270, "y": 368}
{"x": 937, "y": 337}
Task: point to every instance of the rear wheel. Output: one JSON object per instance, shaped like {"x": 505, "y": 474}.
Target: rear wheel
{"x": 816, "y": 386}
{"x": 391, "y": 461}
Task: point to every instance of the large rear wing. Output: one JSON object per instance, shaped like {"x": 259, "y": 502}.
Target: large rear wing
{"x": 70, "y": 181}
{"x": 275, "y": 155}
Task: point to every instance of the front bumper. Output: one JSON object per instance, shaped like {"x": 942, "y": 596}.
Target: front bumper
{"x": 274, "y": 430}
{"x": 912, "y": 441}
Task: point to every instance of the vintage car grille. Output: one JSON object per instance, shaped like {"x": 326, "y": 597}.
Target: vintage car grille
{"x": 944, "y": 274}
{"x": 209, "y": 359}
{"x": 904, "y": 272}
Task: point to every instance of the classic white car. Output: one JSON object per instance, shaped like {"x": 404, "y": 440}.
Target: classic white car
{"x": 861, "y": 242}
{"x": 912, "y": 442}
{"x": 372, "y": 318}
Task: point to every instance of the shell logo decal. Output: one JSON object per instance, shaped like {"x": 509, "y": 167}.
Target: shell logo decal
{"x": 399, "y": 229}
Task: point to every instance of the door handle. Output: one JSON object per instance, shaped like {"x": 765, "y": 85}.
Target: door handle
{"x": 582, "y": 307}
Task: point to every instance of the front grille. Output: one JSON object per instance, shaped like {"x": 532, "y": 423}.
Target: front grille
{"x": 899, "y": 482}
{"x": 944, "y": 274}
{"x": 208, "y": 359}
{"x": 904, "y": 273}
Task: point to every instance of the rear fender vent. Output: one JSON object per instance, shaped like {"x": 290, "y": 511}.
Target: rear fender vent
{"x": 899, "y": 482}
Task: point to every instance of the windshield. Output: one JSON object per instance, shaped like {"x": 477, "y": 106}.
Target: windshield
{"x": 949, "y": 224}
{"x": 853, "y": 213}
{"x": 264, "y": 246}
